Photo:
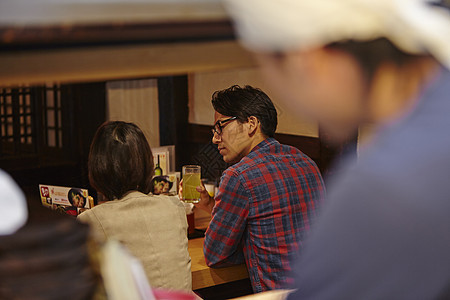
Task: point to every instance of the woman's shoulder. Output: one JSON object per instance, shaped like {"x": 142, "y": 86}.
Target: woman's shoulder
{"x": 152, "y": 200}
{"x": 133, "y": 201}
{"x": 169, "y": 200}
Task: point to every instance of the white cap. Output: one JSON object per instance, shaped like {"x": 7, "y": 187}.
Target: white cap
{"x": 13, "y": 206}
{"x": 414, "y": 26}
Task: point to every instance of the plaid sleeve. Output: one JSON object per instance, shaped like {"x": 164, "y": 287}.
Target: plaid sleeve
{"x": 229, "y": 217}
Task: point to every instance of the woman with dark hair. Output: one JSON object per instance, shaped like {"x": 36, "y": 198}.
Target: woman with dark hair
{"x": 152, "y": 227}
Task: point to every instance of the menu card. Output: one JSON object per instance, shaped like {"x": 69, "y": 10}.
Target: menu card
{"x": 68, "y": 200}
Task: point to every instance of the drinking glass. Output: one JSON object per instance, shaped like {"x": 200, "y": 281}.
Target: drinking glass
{"x": 191, "y": 179}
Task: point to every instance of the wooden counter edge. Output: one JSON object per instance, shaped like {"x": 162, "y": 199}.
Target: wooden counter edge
{"x": 204, "y": 276}
{"x": 211, "y": 276}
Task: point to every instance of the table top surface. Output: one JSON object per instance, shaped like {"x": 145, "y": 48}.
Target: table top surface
{"x": 202, "y": 275}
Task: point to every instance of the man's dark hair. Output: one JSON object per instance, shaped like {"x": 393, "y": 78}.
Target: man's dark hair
{"x": 120, "y": 160}
{"x": 244, "y": 102}
{"x": 74, "y": 191}
{"x": 371, "y": 54}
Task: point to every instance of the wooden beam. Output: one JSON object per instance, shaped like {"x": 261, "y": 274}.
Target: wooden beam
{"x": 51, "y": 36}
{"x": 83, "y": 64}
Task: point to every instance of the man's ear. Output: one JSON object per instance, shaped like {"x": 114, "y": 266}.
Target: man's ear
{"x": 253, "y": 125}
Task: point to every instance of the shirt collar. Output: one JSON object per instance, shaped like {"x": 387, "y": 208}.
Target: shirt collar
{"x": 266, "y": 143}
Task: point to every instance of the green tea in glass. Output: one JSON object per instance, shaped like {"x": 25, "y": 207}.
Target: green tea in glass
{"x": 191, "y": 180}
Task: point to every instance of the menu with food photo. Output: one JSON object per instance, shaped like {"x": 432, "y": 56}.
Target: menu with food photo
{"x": 68, "y": 200}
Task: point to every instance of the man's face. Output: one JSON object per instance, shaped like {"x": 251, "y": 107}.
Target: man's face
{"x": 234, "y": 142}
{"x": 78, "y": 201}
{"x": 323, "y": 85}
{"x": 166, "y": 187}
{"x": 158, "y": 187}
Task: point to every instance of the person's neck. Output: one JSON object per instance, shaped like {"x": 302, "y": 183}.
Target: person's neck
{"x": 253, "y": 141}
{"x": 257, "y": 138}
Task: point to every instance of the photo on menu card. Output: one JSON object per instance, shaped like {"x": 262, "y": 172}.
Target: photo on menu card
{"x": 67, "y": 200}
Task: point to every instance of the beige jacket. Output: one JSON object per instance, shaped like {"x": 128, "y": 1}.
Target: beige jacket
{"x": 154, "y": 229}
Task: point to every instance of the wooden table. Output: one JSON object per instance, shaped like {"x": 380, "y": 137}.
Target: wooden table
{"x": 202, "y": 275}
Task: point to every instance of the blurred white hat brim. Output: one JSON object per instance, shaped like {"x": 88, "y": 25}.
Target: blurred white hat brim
{"x": 13, "y": 207}
{"x": 414, "y": 26}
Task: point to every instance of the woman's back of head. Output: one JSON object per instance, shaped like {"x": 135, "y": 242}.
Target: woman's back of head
{"x": 120, "y": 160}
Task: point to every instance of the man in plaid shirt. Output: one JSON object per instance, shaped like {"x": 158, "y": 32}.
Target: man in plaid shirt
{"x": 266, "y": 200}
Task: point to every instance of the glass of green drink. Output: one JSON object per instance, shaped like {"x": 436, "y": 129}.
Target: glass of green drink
{"x": 191, "y": 180}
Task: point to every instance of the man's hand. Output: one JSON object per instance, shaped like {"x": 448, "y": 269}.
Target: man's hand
{"x": 206, "y": 202}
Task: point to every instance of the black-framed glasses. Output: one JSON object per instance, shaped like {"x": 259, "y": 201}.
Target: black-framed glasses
{"x": 219, "y": 125}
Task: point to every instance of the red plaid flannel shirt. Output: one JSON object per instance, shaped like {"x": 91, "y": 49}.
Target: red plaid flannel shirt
{"x": 265, "y": 205}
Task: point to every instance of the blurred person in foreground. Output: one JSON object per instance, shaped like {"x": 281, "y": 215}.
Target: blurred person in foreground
{"x": 43, "y": 254}
{"x": 152, "y": 227}
{"x": 384, "y": 233}
{"x": 267, "y": 200}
